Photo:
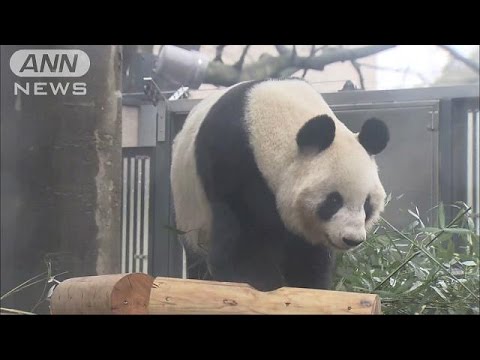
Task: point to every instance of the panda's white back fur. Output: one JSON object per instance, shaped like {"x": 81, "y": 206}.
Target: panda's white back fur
{"x": 192, "y": 210}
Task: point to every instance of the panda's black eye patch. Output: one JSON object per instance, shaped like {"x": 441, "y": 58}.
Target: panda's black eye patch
{"x": 330, "y": 206}
{"x": 368, "y": 208}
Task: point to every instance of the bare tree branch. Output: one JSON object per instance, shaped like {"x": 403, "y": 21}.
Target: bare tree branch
{"x": 288, "y": 72}
{"x": 219, "y": 53}
{"x": 189, "y": 47}
{"x": 455, "y": 54}
{"x": 271, "y": 66}
{"x": 282, "y": 49}
{"x": 239, "y": 64}
{"x": 321, "y": 48}
{"x": 358, "y": 69}
{"x": 400, "y": 70}
{"x": 341, "y": 55}
{"x": 312, "y": 52}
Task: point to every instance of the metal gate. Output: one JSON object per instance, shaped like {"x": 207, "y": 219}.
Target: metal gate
{"x": 148, "y": 241}
{"x": 136, "y": 215}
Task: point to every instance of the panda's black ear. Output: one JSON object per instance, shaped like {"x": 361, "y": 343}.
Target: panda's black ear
{"x": 374, "y": 136}
{"x": 317, "y": 133}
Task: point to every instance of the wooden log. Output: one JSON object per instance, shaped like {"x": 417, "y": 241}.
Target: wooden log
{"x": 180, "y": 296}
{"x": 141, "y": 294}
{"x": 105, "y": 294}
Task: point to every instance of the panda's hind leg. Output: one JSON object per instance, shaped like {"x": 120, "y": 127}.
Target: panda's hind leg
{"x": 233, "y": 257}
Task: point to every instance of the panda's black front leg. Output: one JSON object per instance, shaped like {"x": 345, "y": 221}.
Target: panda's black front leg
{"x": 234, "y": 257}
{"x": 308, "y": 266}
{"x": 225, "y": 242}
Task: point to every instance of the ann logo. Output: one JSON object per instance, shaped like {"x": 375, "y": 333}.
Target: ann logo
{"x": 49, "y": 63}
{"x": 57, "y": 64}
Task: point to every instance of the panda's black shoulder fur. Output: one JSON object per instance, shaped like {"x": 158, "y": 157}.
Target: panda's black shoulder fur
{"x": 222, "y": 149}
{"x": 249, "y": 242}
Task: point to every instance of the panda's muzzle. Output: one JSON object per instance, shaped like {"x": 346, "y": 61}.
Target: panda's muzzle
{"x": 352, "y": 243}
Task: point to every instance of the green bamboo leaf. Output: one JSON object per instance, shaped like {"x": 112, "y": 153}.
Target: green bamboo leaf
{"x": 431, "y": 229}
{"x": 416, "y": 216}
{"x": 441, "y": 215}
{"x": 471, "y": 223}
{"x": 439, "y": 292}
{"x": 423, "y": 270}
{"x": 15, "y": 311}
{"x": 459, "y": 231}
{"x": 340, "y": 285}
{"x": 388, "y": 199}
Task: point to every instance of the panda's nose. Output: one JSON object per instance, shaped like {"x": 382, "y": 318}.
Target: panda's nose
{"x": 352, "y": 243}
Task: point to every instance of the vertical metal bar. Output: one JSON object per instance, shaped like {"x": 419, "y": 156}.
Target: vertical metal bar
{"x": 184, "y": 263}
{"x": 470, "y": 165}
{"x": 138, "y": 211}
{"x": 161, "y": 188}
{"x": 473, "y": 166}
{"x": 124, "y": 215}
{"x": 131, "y": 213}
{"x": 435, "y": 151}
{"x": 146, "y": 203}
{"x": 446, "y": 134}
{"x": 459, "y": 151}
{"x": 476, "y": 131}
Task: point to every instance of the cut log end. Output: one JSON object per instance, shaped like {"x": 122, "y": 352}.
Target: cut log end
{"x": 105, "y": 294}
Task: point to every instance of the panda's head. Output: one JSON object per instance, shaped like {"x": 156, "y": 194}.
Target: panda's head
{"x": 331, "y": 193}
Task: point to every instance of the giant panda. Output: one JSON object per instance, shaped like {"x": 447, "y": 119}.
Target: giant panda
{"x": 268, "y": 184}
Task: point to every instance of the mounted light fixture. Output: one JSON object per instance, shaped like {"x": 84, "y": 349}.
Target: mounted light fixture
{"x": 181, "y": 67}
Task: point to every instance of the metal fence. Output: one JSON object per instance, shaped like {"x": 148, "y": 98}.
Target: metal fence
{"x": 136, "y": 204}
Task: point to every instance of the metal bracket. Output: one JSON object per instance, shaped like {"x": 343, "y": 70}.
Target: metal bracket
{"x": 161, "y": 121}
{"x": 349, "y": 86}
{"x": 154, "y": 93}
{"x": 180, "y": 93}
{"x": 152, "y": 90}
{"x": 433, "y": 123}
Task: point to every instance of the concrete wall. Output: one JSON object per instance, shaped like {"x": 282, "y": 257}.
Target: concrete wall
{"x": 60, "y": 175}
